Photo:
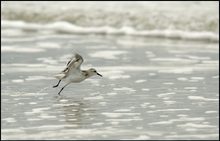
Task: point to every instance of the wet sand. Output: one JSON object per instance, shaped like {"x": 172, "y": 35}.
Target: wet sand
{"x": 151, "y": 89}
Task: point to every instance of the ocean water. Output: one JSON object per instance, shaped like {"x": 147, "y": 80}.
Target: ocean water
{"x": 159, "y": 61}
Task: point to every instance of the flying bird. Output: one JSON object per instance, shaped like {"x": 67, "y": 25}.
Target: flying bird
{"x": 73, "y": 74}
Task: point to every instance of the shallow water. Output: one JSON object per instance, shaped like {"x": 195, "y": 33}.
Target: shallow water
{"x": 151, "y": 89}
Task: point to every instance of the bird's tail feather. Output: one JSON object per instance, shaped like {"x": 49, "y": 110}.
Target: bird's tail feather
{"x": 59, "y": 76}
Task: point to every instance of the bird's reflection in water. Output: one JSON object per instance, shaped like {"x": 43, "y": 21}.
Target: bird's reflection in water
{"x": 74, "y": 112}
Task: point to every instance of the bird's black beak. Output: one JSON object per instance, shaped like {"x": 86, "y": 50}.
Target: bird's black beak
{"x": 99, "y": 74}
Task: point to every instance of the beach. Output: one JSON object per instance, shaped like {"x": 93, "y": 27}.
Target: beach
{"x": 157, "y": 83}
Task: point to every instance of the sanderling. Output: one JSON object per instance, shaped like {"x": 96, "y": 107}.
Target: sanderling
{"x": 73, "y": 74}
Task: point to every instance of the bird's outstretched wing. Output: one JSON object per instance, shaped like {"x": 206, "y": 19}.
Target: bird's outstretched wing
{"x": 74, "y": 63}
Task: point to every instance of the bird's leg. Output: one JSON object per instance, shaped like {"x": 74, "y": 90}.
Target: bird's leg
{"x": 63, "y": 88}
{"x": 57, "y": 84}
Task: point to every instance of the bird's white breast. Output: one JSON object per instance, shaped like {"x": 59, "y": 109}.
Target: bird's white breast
{"x": 77, "y": 76}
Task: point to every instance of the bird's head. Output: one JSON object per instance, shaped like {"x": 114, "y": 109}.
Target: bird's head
{"x": 94, "y": 72}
